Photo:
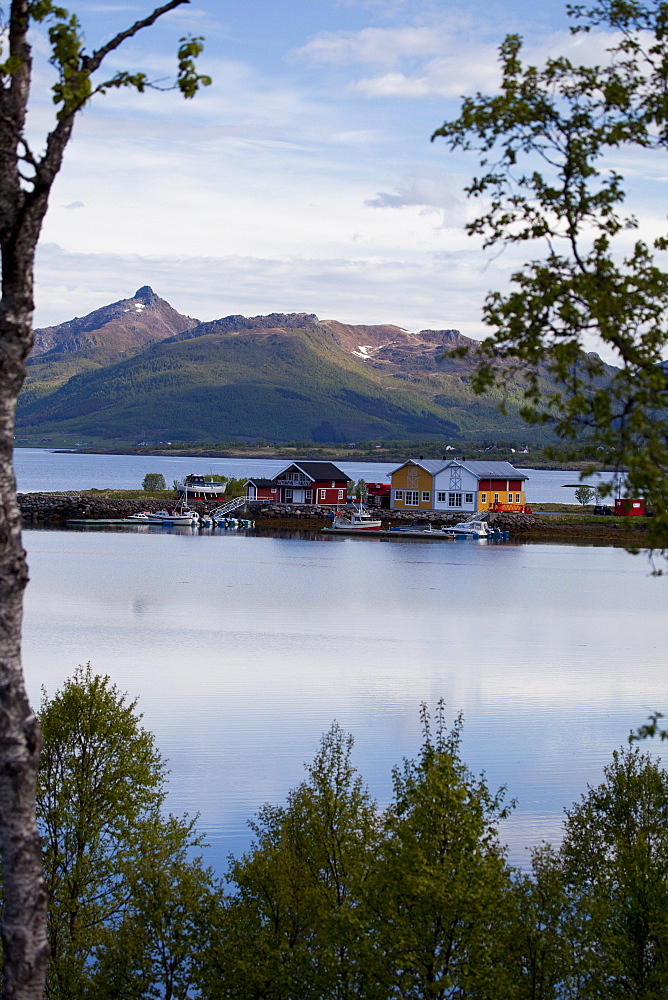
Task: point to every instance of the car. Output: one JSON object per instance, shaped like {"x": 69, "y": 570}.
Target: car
{"x": 602, "y": 508}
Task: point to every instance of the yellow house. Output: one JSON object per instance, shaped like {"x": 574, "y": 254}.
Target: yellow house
{"x": 456, "y": 485}
{"x": 413, "y": 485}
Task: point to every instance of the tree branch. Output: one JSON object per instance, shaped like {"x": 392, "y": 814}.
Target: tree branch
{"x": 91, "y": 63}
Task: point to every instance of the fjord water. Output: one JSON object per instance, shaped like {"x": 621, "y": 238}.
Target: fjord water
{"x": 242, "y": 650}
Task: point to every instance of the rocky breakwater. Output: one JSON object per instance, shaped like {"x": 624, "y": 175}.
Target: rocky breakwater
{"x": 291, "y": 515}
{"x": 48, "y": 508}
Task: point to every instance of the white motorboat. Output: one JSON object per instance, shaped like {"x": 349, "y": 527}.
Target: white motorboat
{"x": 142, "y": 516}
{"x": 473, "y": 528}
{"x": 358, "y": 519}
{"x": 182, "y": 515}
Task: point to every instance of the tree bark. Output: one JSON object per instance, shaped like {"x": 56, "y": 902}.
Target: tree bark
{"x": 25, "y": 184}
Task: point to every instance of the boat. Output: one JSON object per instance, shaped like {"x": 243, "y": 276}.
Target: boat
{"x": 477, "y": 528}
{"x": 200, "y": 488}
{"x": 358, "y": 519}
{"x": 420, "y": 529}
{"x": 176, "y": 516}
{"x": 142, "y": 516}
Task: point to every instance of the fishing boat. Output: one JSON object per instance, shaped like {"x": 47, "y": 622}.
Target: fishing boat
{"x": 358, "y": 519}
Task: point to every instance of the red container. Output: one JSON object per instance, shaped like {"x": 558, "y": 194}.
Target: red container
{"x": 626, "y": 507}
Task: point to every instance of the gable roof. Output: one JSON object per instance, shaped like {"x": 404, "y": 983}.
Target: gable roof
{"x": 482, "y": 470}
{"x": 430, "y": 465}
{"x": 316, "y": 470}
{"x": 259, "y": 482}
{"x": 492, "y": 470}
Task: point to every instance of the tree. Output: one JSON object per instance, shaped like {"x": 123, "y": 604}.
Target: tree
{"x": 100, "y": 779}
{"x": 441, "y": 890}
{"x": 295, "y": 926}
{"x": 584, "y": 495}
{"x": 360, "y": 490}
{"x": 128, "y": 904}
{"x": 156, "y": 947}
{"x": 614, "y": 867}
{"x": 153, "y": 481}
{"x": 545, "y": 143}
{"x": 26, "y": 179}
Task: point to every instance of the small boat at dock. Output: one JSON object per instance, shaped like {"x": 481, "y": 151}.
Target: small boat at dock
{"x": 358, "y": 519}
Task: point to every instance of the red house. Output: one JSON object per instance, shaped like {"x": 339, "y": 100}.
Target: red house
{"x": 302, "y": 483}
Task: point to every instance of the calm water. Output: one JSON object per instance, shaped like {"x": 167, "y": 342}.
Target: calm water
{"x": 38, "y": 469}
{"x": 243, "y": 650}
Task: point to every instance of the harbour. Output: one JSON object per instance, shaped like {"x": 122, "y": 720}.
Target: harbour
{"x": 243, "y": 647}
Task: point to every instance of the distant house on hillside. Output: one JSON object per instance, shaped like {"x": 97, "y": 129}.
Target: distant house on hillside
{"x": 456, "y": 485}
{"x": 302, "y": 483}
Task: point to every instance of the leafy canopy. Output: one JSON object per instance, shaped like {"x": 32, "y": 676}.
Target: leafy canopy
{"x": 547, "y": 143}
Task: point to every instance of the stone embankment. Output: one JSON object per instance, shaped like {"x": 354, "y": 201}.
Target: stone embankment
{"x": 58, "y": 508}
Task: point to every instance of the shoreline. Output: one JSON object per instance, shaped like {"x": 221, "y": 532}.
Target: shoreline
{"x": 55, "y": 509}
{"x": 323, "y": 454}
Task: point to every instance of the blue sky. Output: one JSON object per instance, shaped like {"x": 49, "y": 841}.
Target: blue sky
{"x": 303, "y": 179}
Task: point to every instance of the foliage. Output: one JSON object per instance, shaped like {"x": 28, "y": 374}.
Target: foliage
{"x": 614, "y": 864}
{"x": 440, "y": 888}
{"x": 359, "y": 490}
{"x": 125, "y": 902}
{"x": 294, "y": 927}
{"x": 546, "y": 143}
{"x": 336, "y": 900}
{"x": 153, "y": 950}
{"x": 153, "y": 481}
{"x": 585, "y": 494}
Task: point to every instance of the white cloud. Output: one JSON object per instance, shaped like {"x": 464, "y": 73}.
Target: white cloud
{"x": 379, "y": 46}
{"x": 434, "y": 292}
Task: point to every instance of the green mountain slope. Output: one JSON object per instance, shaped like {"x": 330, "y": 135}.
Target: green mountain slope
{"x": 91, "y": 342}
{"x": 278, "y": 377}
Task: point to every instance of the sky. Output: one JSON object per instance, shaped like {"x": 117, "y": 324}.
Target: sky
{"x": 303, "y": 179}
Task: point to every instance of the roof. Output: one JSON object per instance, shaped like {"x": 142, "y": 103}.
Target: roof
{"x": 430, "y": 465}
{"x": 482, "y": 470}
{"x": 316, "y": 470}
{"x": 260, "y": 482}
{"x": 492, "y": 470}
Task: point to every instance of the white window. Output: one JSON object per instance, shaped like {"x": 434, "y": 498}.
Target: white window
{"x": 440, "y": 497}
{"x": 518, "y": 498}
{"x": 483, "y": 498}
{"x": 288, "y": 496}
{"x": 469, "y": 498}
{"x": 323, "y": 494}
{"x": 426, "y": 496}
{"x": 496, "y": 498}
{"x": 454, "y": 499}
{"x": 308, "y": 495}
{"x": 340, "y": 494}
{"x": 398, "y": 494}
{"x": 412, "y": 498}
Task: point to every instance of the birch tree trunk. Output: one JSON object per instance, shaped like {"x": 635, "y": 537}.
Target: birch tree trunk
{"x": 25, "y": 184}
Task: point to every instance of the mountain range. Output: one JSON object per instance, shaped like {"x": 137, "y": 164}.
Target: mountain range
{"x": 138, "y": 370}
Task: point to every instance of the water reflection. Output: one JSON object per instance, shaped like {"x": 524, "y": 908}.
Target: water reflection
{"x": 244, "y": 649}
